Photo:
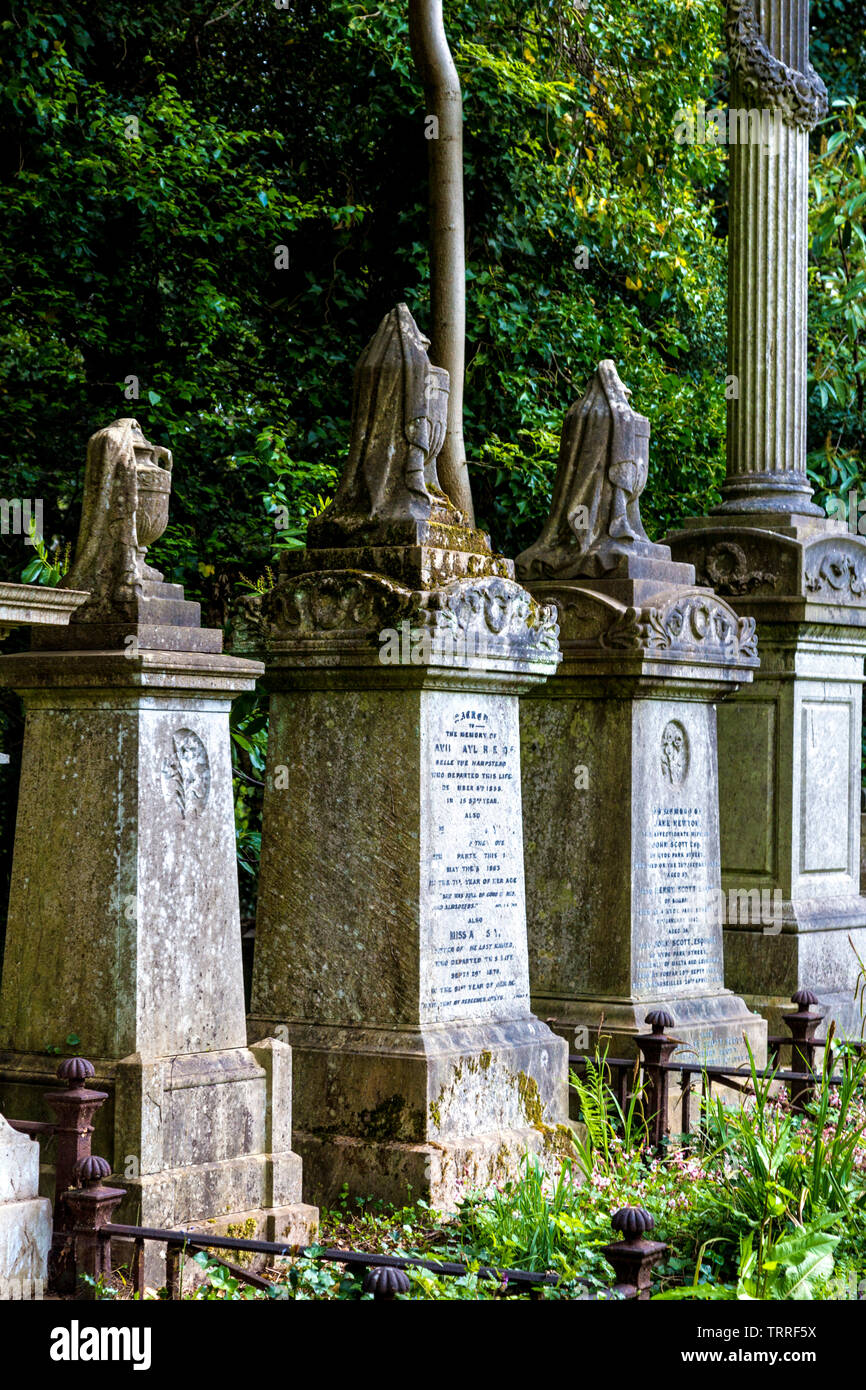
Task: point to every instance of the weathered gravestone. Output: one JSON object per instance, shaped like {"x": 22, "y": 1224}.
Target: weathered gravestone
{"x": 390, "y": 936}
{"x": 620, "y": 788}
{"x": 123, "y": 917}
{"x": 25, "y": 1218}
{"x": 789, "y": 746}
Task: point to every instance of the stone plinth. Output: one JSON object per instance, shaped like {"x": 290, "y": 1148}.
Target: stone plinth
{"x": 25, "y": 1218}
{"x": 24, "y": 604}
{"x": 391, "y": 935}
{"x": 124, "y": 930}
{"x": 621, "y": 823}
{"x": 789, "y": 757}
{"x": 789, "y": 746}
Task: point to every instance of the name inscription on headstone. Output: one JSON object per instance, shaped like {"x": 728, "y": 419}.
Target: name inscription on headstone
{"x": 473, "y": 890}
{"x": 677, "y": 937}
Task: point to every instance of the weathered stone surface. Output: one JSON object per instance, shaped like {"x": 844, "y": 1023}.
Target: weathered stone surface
{"x": 623, "y": 909}
{"x": 391, "y": 930}
{"x": 389, "y": 490}
{"x": 391, "y": 939}
{"x": 127, "y": 482}
{"x": 123, "y": 920}
{"x": 25, "y": 1218}
{"x": 24, "y": 604}
{"x": 789, "y": 765}
{"x": 789, "y": 745}
{"x": 768, "y": 244}
{"x": 595, "y": 518}
{"x": 620, "y": 785}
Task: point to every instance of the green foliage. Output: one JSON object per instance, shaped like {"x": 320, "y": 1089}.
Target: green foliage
{"x": 838, "y": 310}
{"x": 614, "y": 1137}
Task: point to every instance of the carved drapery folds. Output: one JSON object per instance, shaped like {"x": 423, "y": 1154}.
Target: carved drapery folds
{"x": 127, "y": 482}
{"x": 595, "y": 513}
{"x": 399, "y": 418}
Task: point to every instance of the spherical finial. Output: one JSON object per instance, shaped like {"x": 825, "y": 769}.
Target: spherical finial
{"x": 385, "y": 1281}
{"x": 91, "y": 1169}
{"x": 75, "y": 1069}
{"x": 804, "y": 998}
{"x": 659, "y": 1020}
{"x": 632, "y": 1222}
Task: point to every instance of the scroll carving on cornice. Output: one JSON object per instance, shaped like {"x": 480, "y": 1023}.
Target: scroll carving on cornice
{"x": 355, "y": 606}
{"x": 839, "y": 574}
{"x": 691, "y": 624}
{"x": 800, "y": 97}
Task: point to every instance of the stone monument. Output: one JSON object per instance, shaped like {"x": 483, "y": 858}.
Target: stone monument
{"x": 620, "y": 788}
{"x": 391, "y": 934}
{"x": 25, "y": 1218}
{"x": 789, "y": 745}
{"x": 123, "y": 916}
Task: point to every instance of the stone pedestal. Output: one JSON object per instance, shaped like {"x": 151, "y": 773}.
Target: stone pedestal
{"x": 25, "y": 1218}
{"x": 620, "y": 796}
{"x": 391, "y": 934}
{"x": 789, "y": 757}
{"x": 124, "y": 928}
{"x": 789, "y": 747}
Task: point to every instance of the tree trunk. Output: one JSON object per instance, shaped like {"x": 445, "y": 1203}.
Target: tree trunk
{"x": 447, "y": 252}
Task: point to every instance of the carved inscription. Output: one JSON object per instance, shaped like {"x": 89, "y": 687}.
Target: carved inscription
{"x": 677, "y": 935}
{"x": 475, "y": 953}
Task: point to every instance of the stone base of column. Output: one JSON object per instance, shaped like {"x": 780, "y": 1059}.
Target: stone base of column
{"x": 433, "y": 1112}
{"x": 430, "y": 1112}
{"x": 711, "y": 1027}
{"x": 805, "y": 955}
{"x": 439, "y": 1173}
{"x": 718, "y": 1029}
{"x": 201, "y": 1141}
{"x": 789, "y": 759}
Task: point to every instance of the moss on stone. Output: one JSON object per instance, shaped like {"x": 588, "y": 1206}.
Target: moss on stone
{"x": 530, "y": 1099}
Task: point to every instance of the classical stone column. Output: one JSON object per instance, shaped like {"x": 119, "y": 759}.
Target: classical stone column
{"x": 123, "y": 916}
{"x": 776, "y": 98}
{"x": 620, "y": 788}
{"x": 789, "y": 744}
{"x": 391, "y": 928}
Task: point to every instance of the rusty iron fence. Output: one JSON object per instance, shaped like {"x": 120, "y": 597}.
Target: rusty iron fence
{"x": 81, "y": 1253}
{"x": 648, "y": 1075}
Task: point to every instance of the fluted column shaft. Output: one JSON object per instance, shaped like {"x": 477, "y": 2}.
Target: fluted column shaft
{"x": 767, "y": 254}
